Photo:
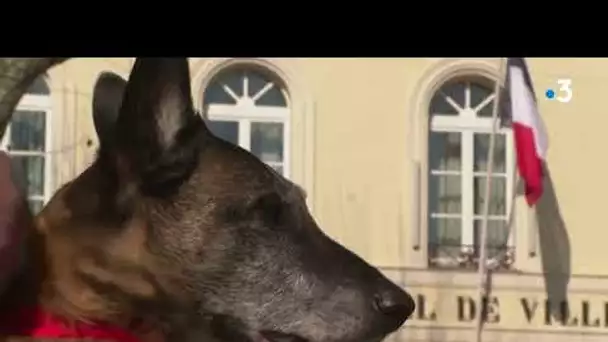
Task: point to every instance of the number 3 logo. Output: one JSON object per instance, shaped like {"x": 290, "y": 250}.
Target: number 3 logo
{"x": 565, "y": 88}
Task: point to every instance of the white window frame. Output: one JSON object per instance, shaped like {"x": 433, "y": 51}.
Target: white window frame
{"x": 467, "y": 124}
{"x": 40, "y": 103}
{"x": 247, "y": 112}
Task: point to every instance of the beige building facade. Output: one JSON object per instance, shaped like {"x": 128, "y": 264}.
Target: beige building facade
{"x": 392, "y": 154}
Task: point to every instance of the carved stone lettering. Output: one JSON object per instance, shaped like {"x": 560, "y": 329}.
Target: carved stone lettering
{"x": 467, "y": 308}
{"x": 579, "y": 314}
{"x": 586, "y": 319}
{"x": 424, "y": 312}
{"x": 560, "y": 312}
{"x": 530, "y": 306}
{"x": 491, "y": 310}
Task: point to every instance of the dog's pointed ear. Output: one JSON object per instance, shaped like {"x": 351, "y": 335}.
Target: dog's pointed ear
{"x": 107, "y": 99}
{"x": 158, "y": 130}
{"x": 158, "y": 99}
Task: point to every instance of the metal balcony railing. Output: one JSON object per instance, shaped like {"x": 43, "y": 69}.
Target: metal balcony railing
{"x": 467, "y": 256}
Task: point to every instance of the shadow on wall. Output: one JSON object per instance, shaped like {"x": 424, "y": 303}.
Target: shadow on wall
{"x": 554, "y": 248}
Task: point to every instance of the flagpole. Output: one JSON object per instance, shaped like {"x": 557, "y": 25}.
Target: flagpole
{"x": 486, "y": 205}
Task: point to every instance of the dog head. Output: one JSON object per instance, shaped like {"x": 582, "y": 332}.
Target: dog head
{"x": 168, "y": 213}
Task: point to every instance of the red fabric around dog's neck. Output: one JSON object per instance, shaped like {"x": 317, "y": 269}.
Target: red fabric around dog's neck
{"x": 35, "y": 322}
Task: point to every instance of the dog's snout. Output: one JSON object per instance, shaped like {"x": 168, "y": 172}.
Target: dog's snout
{"x": 395, "y": 306}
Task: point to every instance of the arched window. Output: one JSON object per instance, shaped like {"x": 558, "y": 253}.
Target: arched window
{"x": 249, "y": 107}
{"x": 460, "y": 125}
{"x": 27, "y": 139}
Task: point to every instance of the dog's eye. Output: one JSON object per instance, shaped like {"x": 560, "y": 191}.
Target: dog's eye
{"x": 269, "y": 207}
{"x": 233, "y": 213}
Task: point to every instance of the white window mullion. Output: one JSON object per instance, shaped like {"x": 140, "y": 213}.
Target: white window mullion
{"x": 245, "y": 134}
{"x": 34, "y": 102}
{"x": 237, "y": 112}
{"x": 5, "y": 138}
{"x": 286, "y": 148}
{"x": 25, "y": 153}
{"x": 468, "y": 195}
{"x": 48, "y": 157}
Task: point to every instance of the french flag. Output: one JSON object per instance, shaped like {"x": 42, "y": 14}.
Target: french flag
{"x": 531, "y": 141}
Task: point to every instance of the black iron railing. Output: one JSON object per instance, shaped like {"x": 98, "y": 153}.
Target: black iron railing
{"x": 467, "y": 257}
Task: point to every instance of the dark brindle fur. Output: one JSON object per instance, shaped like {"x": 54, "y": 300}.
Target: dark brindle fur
{"x": 174, "y": 226}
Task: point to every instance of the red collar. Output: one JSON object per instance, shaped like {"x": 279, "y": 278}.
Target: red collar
{"x": 35, "y": 322}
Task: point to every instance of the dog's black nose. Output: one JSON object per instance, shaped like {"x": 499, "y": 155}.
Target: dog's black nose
{"x": 395, "y": 305}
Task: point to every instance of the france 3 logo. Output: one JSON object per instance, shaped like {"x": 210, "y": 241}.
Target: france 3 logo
{"x": 563, "y": 93}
